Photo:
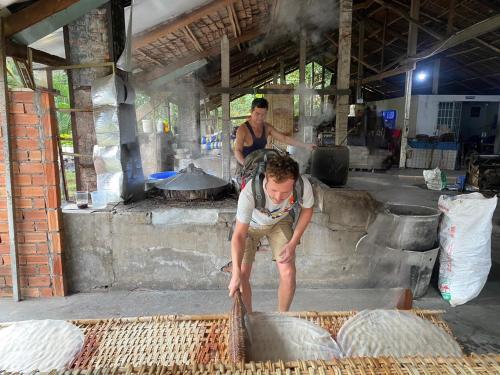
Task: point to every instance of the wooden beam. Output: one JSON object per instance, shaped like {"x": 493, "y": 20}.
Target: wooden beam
{"x": 354, "y": 57}
{"x": 463, "y": 51}
{"x": 226, "y": 122}
{"x": 210, "y": 52}
{"x": 410, "y": 19}
{"x": 412, "y": 49}
{"x": 146, "y": 56}
{"x": 302, "y": 71}
{"x": 33, "y": 14}
{"x": 361, "y": 6}
{"x": 187, "y": 31}
{"x": 361, "y": 48}
{"x": 459, "y": 37}
{"x": 234, "y": 22}
{"x": 435, "y": 76}
{"x": 282, "y": 73}
{"x": 343, "y": 70}
{"x": 383, "y": 40}
{"x": 9, "y": 172}
{"x": 270, "y": 90}
{"x": 21, "y": 52}
{"x": 451, "y": 15}
{"x": 387, "y": 74}
{"x": 185, "y": 19}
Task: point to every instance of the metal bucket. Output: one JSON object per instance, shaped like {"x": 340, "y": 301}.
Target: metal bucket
{"x": 400, "y": 226}
{"x": 396, "y": 268}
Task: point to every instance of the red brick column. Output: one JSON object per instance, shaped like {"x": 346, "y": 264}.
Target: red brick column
{"x": 37, "y": 198}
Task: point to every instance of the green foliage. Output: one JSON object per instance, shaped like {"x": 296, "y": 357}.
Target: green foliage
{"x": 13, "y": 78}
{"x": 60, "y": 83}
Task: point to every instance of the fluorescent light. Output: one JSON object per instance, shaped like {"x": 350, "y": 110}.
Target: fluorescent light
{"x": 421, "y": 76}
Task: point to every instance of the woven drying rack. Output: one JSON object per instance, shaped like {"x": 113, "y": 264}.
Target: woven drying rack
{"x": 197, "y": 344}
{"x": 181, "y": 340}
{"x": 470, "y": 365}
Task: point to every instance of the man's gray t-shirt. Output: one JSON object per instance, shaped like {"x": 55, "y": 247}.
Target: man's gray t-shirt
{"x": 248, "y": 214}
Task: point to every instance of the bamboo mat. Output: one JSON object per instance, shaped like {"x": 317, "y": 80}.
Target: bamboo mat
{"x": 180, "y": 340}
{"x": 470, "y": 365}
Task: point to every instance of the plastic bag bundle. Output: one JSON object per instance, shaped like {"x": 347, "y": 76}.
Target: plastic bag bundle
{"x": 111, "y": 91}
{"x": 435, "y": 179}
{"x": 465, "y": 240}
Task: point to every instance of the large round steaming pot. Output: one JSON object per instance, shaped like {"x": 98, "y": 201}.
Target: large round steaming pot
{"x": 193, "y": 183}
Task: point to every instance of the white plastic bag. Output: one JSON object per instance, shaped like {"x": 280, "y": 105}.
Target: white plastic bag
{"x": 465, "y": 241}
{"x": 435, "y": 179}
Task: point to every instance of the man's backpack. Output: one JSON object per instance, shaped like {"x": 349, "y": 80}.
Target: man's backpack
{"x": 254, "y": 169}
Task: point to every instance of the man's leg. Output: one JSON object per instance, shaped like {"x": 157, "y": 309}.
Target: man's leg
{"x": 246, "y": 267}
{"x": 286, "y": 289}
{"x": 280, "y": 234}
{"x": 245, "y": 288}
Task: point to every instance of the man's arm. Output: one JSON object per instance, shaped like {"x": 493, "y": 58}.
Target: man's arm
{"x": 238, "y": 144}
{"x": 279, "y": 136}
{"x": 288, "y": 251}
{"x": 237, "y": 249}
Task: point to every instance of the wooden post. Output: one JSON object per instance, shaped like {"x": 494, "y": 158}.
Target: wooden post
{"x": 302, "y": 74}
{"x": 451, "y": 15}
{"x": 226, "y": 122}
{"x": 64, "y": 185}
{"x": 435, "y": 77}
{"x": 9, "y": 173}
{"x": 343, "y": 70}
{"x": 322, "y": 83}
{"x": 361, "y": 45}
{"x": 412, "y": 50}
{"x": 383, "y": 40}
{"x": 311, "y": 97}
{"x": 282, "y": 73}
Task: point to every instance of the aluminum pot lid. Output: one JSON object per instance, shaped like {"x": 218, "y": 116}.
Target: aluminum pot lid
{"x": 192, "y": 178}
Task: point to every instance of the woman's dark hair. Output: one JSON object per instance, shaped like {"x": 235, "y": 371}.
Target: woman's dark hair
{"x": 259, "y": 103}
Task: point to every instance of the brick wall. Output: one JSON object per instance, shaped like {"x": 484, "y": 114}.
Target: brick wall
{"x": 37, "y": 198}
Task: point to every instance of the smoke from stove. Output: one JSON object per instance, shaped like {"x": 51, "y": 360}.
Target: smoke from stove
{"x": 290, "y": 16}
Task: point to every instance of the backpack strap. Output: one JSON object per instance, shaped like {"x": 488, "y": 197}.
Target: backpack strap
{"x": 259, "y": 196}
{"x": 298, "y": 190}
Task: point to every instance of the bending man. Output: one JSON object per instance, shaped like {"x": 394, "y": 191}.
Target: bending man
{"x": 273, "y": 221}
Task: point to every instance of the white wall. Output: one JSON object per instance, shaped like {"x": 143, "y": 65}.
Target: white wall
{"x": 424, "y": 109}
{"x": 399, "y": 105}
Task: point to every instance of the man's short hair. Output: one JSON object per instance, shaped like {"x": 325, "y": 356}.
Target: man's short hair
{"x": 259, "y": 103}
{"x": 281, "y": 168}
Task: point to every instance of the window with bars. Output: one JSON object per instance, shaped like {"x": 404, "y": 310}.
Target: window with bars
{"x": 448, "y": 119}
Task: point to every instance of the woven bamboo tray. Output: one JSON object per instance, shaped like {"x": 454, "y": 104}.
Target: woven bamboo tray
{"x": 474, "y": 364}
{"x": 180, "y": 340}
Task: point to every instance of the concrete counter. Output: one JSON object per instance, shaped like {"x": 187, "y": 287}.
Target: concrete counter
{"x": 160, "y": 245}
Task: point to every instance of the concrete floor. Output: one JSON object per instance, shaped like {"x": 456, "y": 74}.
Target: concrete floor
{"x": 475, "y": 324}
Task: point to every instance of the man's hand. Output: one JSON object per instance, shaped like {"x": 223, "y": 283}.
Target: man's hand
{"x": 310, "y": 146}
{"x": 234, "y": 284}
{"x": 287, "y": 253}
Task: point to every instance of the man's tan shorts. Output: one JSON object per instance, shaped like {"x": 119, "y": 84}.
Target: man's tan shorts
{"x": 278, "y": 235}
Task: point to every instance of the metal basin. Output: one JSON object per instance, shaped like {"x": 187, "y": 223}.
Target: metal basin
{"x": 400, "y": 226}
{"x": 395, "y": 268}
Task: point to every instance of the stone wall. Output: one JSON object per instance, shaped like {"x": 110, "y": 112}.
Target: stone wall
{"x": 36, "y": 196}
